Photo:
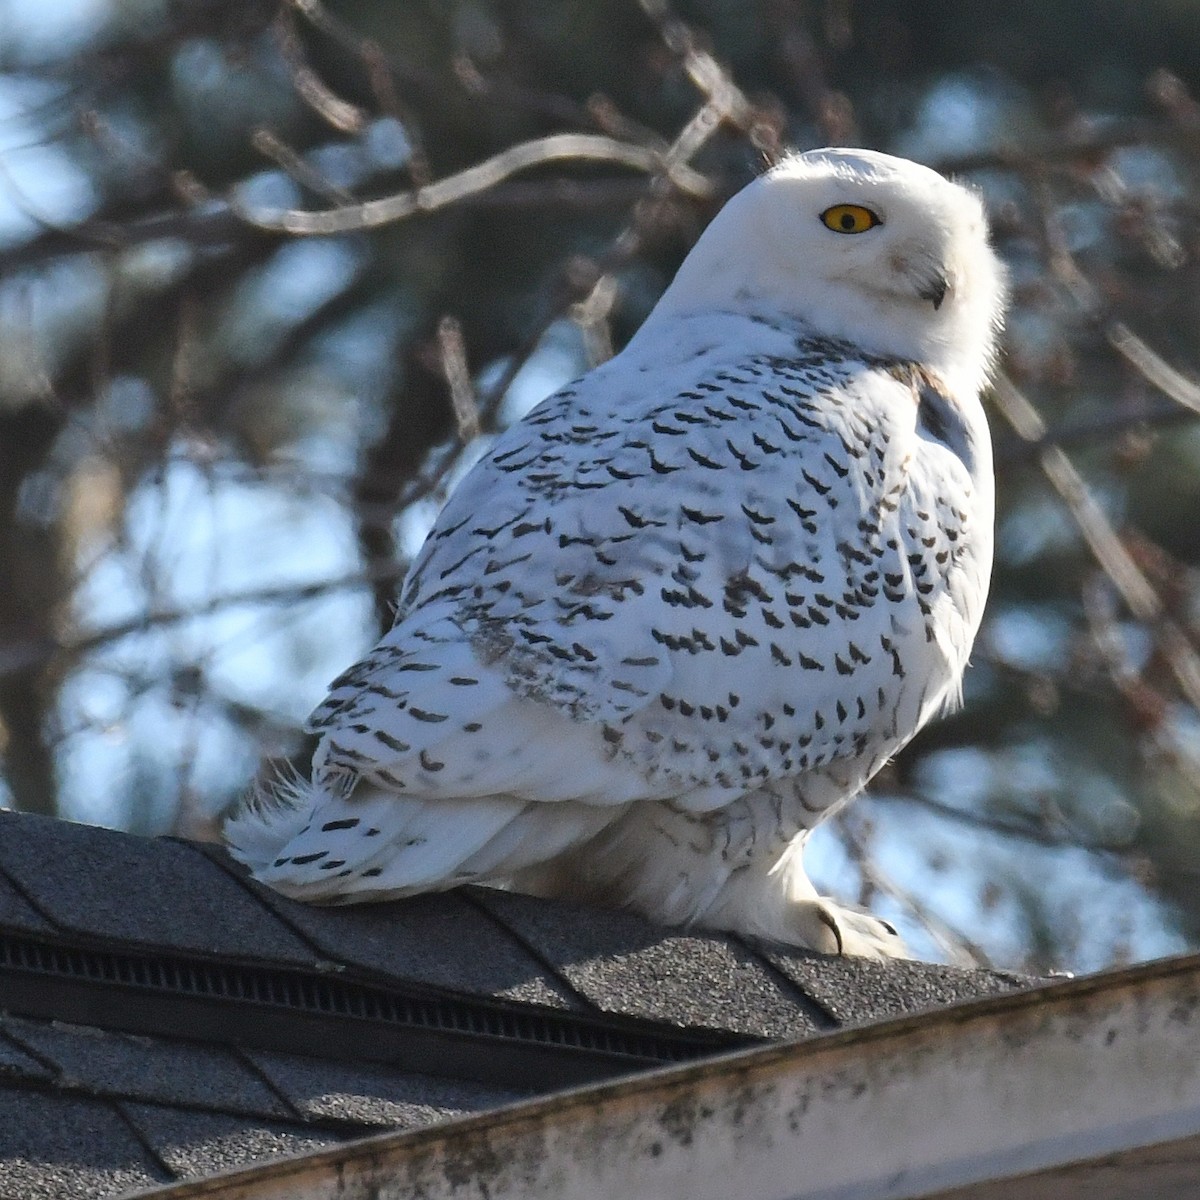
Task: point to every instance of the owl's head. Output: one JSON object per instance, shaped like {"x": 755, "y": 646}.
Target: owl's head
{"x": 859, "y": 245}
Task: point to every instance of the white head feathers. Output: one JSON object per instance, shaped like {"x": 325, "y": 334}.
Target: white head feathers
{"x": 859, "y": 245}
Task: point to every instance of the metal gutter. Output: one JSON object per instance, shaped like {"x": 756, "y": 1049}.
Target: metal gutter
{"x": 1074, "y": 1072}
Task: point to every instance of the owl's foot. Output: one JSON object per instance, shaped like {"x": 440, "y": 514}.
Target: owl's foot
{"x": 834, "y": 928}
{"x": 778, "y": 903}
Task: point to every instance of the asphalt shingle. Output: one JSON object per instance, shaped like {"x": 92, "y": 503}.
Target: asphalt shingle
{"x": 856, "y": 990}
{"x": 195, "y": 1143}
{"x": 440, "y": 941}
{"x": 370, "y": 1095}
{"x": 115, "y": 886}
{"x": 59, "y": 1147}
{"x": 15, "y": 1063}
{"x": 119, "y": 1064}
{"x": 16, "y": 913}
{"x": 626, "y": 965}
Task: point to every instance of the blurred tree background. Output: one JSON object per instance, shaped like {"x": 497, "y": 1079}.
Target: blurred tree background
{"x": 273, "y": 271}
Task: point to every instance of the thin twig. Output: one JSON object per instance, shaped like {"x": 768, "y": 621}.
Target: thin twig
{"x": 303, "y": 172}
{"x": 1133, "y": 349}
{"x": 1149, "y": 709}
{"x": 1007, "y": 829}
{"x": 1136, "y": 590}
{"x": 1153, "y": 368}
{"x": 213, "y": 225}
{"x": 1102, "y": 427}
{"x": 955, "y": 945}
{"x": 310, "y": 87}
{"x": 723, "y": 102}
{"x": 707, "y": 75}
{"x": 453, "y": 355}
{"x": 1071, "y": 149}
{"x": 551, "y": 107}
{"x": 20, "y": 655}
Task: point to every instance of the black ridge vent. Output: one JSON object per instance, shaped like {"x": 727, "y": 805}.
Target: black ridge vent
{"x": 331, "y": 1016}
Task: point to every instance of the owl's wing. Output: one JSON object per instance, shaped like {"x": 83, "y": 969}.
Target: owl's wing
{"x": 646, "y": 597}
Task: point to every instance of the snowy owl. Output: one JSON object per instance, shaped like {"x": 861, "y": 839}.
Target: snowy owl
{"x": 687, "y": 607}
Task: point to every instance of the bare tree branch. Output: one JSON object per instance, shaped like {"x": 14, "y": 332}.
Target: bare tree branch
{"x": 1136, "y": 590}
{"x": 214, "y": 226}
{"x": 1104, "y": 427}
{"x": 19, "y": 656}
{"x": 371, "y": 214}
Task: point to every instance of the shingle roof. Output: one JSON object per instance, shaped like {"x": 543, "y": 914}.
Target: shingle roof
{"x": 165, "y": 1017}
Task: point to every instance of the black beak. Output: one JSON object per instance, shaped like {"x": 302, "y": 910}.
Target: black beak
{"x": 935, "y": 290}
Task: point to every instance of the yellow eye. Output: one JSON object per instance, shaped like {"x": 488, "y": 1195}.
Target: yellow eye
{"x": 850, "y": 218}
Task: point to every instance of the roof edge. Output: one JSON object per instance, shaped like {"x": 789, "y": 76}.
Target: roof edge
{"x": 895, "y": 1109}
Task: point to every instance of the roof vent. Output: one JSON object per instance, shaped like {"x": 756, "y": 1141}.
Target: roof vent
{"x": 332, "y": 1016}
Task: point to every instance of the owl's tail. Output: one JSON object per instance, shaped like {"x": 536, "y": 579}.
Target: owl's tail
{"x": 376, "y": 845}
